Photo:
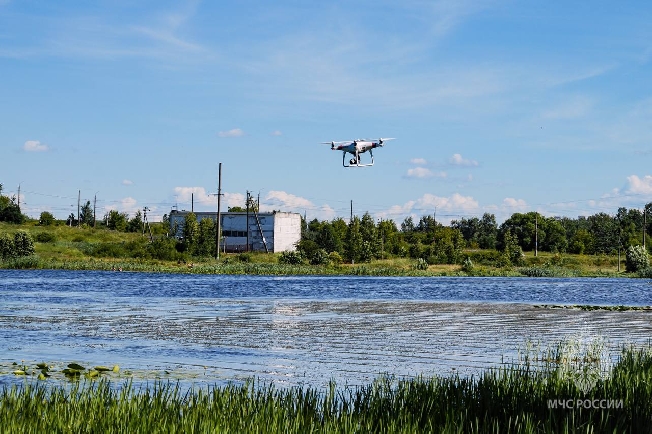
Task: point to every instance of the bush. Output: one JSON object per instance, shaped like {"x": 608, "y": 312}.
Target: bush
{"x": 421, "y": 264}
{"x": 46, "y": 219}
{"x": 490, "y": 258}
{"x": 291, "y": 258}
{"x": 467, "y": 265}
{"x": 6, "y": 247}
{"x": 335, "y": 258}
{"x": 21, "y": 245}
{"x": 320, "y": 257}
{"x": 164, "y": 249}
{"x": 244, "y": 257}
{"x": 636, "y": 259}
{"x": 45, "y": 237}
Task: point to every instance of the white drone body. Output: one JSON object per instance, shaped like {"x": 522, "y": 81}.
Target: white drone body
{"x": 355, "y": 148}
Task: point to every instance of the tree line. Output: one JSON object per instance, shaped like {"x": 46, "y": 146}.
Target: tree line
{"x": 363, "y": 239}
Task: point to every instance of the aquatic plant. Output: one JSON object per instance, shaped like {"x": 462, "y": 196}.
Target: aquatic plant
{"x": 519, "y": 398}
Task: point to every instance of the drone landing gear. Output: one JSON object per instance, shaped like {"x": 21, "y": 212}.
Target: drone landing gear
{"x": 355, "y": 162}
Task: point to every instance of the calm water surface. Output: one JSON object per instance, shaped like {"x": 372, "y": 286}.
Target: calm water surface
{"x": 303, "y": 329}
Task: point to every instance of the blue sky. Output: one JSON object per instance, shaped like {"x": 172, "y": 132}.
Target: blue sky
{"x": 496, "y": 106}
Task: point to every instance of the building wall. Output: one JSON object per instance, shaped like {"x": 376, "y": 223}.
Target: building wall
{"x": 280, "y": 231}
{"x": 287, "y": 231}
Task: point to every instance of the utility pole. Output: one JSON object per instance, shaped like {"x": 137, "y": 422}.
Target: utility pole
{"x": 247, "y": 220}
{"x": 78, "y": 199}
{"x": 536, "y": 234}
{"x": 18, "y": 196}
{"x": 219, "y": 216}
{"x": 146, "y": 222}
{"x": 192, "y": 202}
{"x": 351, "y": 210}
{"x": 644, "y": 225}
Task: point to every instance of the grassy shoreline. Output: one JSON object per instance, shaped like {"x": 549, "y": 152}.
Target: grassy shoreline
{"x": 524, "y": 398}
{"x": 70, "y": 248}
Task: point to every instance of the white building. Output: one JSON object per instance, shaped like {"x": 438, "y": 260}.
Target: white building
{"x": 266, "y": 231}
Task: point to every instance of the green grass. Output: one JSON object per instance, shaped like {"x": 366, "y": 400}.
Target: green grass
{"x": 72, "y": 248}
{"x": 509, "y": 400}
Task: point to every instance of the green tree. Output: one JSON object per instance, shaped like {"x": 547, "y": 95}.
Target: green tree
{"x": 190, "y": 232}
{"x": 10, "y": 211}
{"x": 205, "y": 245}
{"x": 340, "y": 229}
{"x": 369, "y": 233}
{"x": 86, "y": 215}
{"x": 605, "y": 231}
{"x": 470, "y": 230}
{"x": 46, "y": 219}
{"x": 135, "y": 224}
{"x": 388, "y": 236}
{"x": 353, "y": 242}
{"x": 446, "y": 247}
{"x": 512, "y": 250}
{"x": 116, "y": 220}
{"x": 581, "y": 242}
{"x": 407, "y": 225}
{"x": 328, "y": 239}
{"x": 488, "y": 232}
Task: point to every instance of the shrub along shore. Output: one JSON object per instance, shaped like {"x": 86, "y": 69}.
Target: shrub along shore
{"x": 537, "y": 396}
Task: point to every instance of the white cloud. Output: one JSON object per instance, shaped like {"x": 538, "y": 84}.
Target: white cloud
{"x": 204, "y": 201}
{"x": 422, "y": 172}
{"x": 34, "y": 146}
{"x": 236, "y": 132}
{"x": 288, "y": 201}
{"x": 277, "y": 133}
{"x": 233, "y": 199}
{"x": 419, "y": 161}
{"x": 636, "y": 185}
{"x": 188, "y": 194}
{"x": 457, "y": 160}
{"x": 514, "y": 205}
{"x": 447, "y": 208}
{"x": 126, "y": 182}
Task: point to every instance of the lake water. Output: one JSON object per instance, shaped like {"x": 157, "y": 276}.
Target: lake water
{"x": 302, "y": 329}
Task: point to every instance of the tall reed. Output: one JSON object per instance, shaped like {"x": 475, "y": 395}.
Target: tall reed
{"x": 514, "y": 399}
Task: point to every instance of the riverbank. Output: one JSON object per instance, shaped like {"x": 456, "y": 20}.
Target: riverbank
{"x": 232, "y": 264}
{"x": 66, "y": 248}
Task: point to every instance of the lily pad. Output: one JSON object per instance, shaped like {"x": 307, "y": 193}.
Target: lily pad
{"x": 76, "y": 366}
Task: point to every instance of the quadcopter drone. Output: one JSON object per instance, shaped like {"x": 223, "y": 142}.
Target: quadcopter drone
{"x": 355, "y": 148}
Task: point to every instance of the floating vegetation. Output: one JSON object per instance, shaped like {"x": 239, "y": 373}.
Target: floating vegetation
{"x": 72, "y": 371}
{"x": 509, "y": 400}
{"x": 619, "y": 308}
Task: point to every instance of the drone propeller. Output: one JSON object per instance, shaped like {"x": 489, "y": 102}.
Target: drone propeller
{"x": 381, "y": 140}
